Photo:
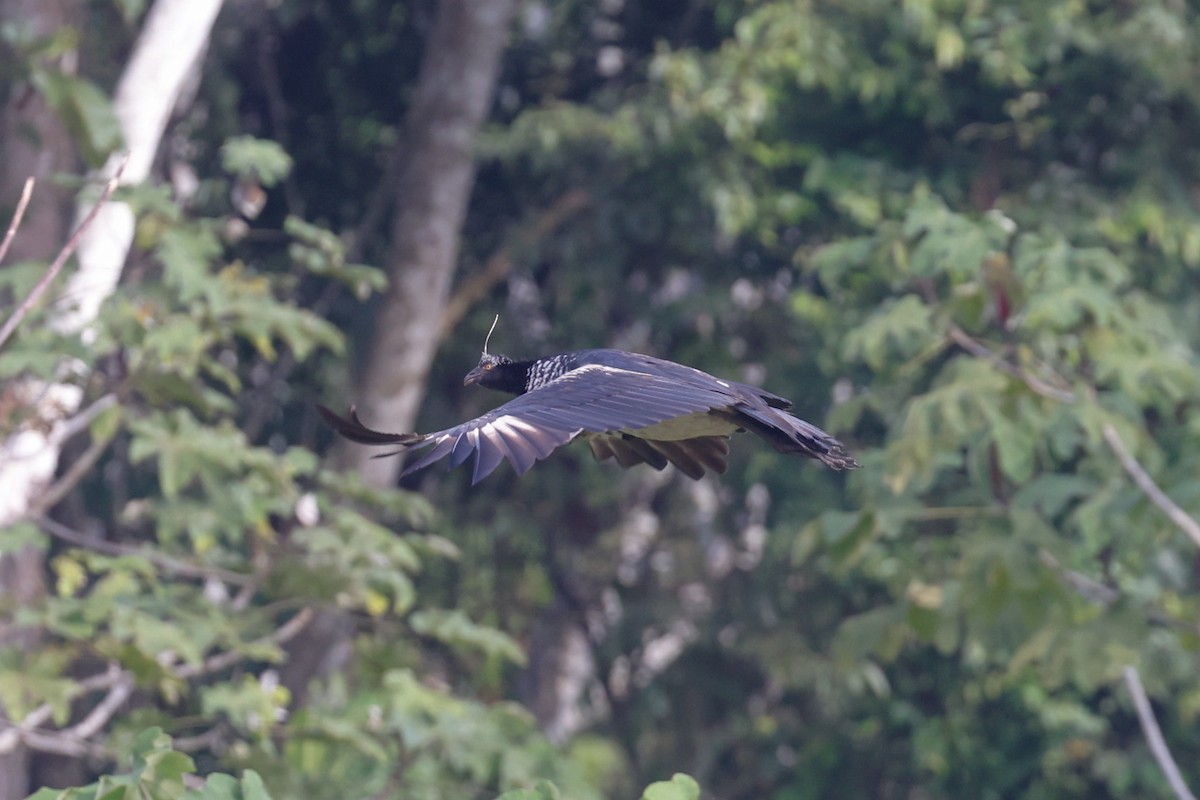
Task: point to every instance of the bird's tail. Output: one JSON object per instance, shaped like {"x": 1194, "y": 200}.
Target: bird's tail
{"x": 353, "y": 429}
{"x": 789, "y": 434}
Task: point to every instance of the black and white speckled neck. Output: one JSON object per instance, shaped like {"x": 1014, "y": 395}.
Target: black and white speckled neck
{"x": 545, "y": 370}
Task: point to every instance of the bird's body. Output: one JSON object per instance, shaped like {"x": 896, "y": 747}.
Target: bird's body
{"x": 631, "y": 407}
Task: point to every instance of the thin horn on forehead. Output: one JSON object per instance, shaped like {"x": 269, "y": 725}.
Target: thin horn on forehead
{"x": 489, "y": 336}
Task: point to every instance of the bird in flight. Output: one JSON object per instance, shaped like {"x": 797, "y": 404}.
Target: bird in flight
{"x": 631, "y": 407}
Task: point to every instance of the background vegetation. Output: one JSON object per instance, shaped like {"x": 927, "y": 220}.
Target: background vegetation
{"x": 963, "y": 236}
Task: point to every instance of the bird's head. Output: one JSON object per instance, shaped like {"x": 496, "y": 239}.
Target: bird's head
{"x": 496, "y": 372}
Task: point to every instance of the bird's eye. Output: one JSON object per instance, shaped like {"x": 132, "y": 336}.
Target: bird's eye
{"x": 488, "y": 366}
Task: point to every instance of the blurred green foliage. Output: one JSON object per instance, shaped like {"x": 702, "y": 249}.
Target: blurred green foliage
{"x": 962, "y": 236}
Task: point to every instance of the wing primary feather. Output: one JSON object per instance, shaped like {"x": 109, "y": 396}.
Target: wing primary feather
{"x": 464, "y": 445}
{"x": 505, "y": 448}
{"x": 487, "y": 457}
{"x": 543, "y": 440}
{"x": 521, "y": 453}
{"x": 441, "y": 448}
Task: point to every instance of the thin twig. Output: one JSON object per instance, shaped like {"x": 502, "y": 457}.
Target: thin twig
{"x": 980, "y": 350}
{"x": 85, "y": 418}
{"x": 82, "y": 465}
{"x": 168, "y": 563}
{"x": 1086, "y": 587}
{"x": 99, "y": 716}
{"x": 26, "y": 193}
{"x": 1151, "y": 489}
{"x": 68, "y": 249}
{"x": 80, "y": 468}
{"x": 60, "y": 745}
{"x": 211, "y": 739}
{"x": 10, "y": 737}
{"x": 1154, "y": 737}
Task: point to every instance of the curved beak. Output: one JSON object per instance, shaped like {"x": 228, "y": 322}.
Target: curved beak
{"x": 474, "y": 376}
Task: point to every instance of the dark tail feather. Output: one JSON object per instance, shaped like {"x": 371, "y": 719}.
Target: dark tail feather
{"x": 789, "y": 434}
{"x": 352, "y": 428}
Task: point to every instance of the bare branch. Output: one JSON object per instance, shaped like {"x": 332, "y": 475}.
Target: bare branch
{"x": 120, "y": 684}
{"x": 82, "y": 465}
{"x": 1088, "y": 588}
{"x": 1151, "y": 489}
{"x": 56, "y": 266}
{"x": 18, "y": 215}
{"x": 221, "y": 661}
{"x": 57, "y": 743}
{"x": 1154, "y": 737}
{"x": 11, "y": 737}
{"x": 99, "y": 716}
{"x": 84, "y": 419}
{"x": 39, "y": 716}
{"x": 1129, "y": 462}
{"x": 211, "y": 739}
{"x": 980, "y": 350}
{"x": 79, "y": 469}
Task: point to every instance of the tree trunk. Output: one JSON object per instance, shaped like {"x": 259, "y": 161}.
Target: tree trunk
{"x": 33, "y": 142}
{"x": 174, "y": 35}
{"x": 454, "y": 92}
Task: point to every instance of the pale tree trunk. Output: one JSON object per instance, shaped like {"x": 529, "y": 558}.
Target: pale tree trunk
{"x": 172, "y": 39}
{"x": 454, "y": 92}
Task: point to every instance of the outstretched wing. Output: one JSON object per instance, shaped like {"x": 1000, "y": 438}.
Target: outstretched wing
{"x": 593, "y": 399}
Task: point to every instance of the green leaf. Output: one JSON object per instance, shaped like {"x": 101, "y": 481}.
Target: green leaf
{"x": 163, "y": 773}
{"x": 216, "y": 787}
{"x": 542, "y": 790}
{"x": 898, "y": 330}
{"x": 85, "y": 110}
{"x": 881, "y": 631}
{"x": 20, "y": 535}
{"x": 187, "y": 253}
{"x": 835, "y": 260}
{"x": 253, "y": 787}
{"x": 680, "y": 787}
{"x": 1051, "y": 493}
{"x": 455, "y": 629}
{"x": 261, "y": 159}
{"x": 106, "y": 424}
{"x": 1015, "y": 446}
